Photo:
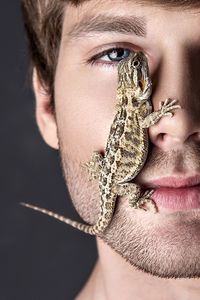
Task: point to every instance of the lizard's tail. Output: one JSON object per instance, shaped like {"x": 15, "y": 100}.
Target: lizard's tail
{"x": 90, "y": 229}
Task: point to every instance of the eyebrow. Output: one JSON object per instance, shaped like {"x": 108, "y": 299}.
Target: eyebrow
{"x": 106, "y": 23}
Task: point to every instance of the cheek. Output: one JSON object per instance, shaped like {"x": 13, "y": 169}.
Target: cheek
{"x": 85, "y": 107}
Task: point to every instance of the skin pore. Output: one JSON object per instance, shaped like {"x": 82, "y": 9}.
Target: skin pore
{"x": 141, "y": 255}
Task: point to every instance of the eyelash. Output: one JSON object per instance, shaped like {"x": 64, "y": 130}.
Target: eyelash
{"x": 95, "y": 60}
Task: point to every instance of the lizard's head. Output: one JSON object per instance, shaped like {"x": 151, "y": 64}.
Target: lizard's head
{"x": 134, "y": 74}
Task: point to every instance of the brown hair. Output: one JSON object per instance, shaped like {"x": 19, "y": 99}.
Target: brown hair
{"x": 43, "y": 23}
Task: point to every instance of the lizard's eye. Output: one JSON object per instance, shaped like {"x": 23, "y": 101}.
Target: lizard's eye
{"x": 136, "y": 64}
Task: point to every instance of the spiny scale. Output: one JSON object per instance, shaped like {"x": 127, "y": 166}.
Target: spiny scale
{"x": 127, "y": 145}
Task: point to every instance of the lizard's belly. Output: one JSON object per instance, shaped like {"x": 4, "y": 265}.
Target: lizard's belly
{"x": 131, "y": 154}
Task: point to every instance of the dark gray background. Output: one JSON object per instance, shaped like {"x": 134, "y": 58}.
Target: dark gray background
{"x": 40, "y": 258}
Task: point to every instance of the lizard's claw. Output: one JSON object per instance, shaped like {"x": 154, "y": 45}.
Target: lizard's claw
{"x": 167, "y": 106}
{"x": 161, "y": 104}
{"x": 146, "y": 203}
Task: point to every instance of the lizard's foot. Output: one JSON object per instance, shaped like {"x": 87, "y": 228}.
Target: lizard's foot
{"x": 146, "y": 203}
{"x": 136, "y": 198}
{"x": 167, "y": 106}
{"x": 94, "y": 165}
{"x": 129, "y": 189}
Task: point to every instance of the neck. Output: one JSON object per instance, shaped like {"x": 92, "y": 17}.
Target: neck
{"x": 113, "y": 278}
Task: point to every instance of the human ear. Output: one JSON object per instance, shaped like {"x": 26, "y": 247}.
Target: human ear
{"x": 45, "y": 116}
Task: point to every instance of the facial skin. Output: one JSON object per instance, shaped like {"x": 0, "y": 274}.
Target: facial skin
{"x": 166, "y": 244}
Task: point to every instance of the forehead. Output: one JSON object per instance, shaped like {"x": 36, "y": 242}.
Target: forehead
{"x": 164, "y": 3}
{"x": 128, "y": 16}
{"x": 120, "y": 7}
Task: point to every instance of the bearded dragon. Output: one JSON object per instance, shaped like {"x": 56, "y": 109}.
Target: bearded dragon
{"x": 127, "y": 145}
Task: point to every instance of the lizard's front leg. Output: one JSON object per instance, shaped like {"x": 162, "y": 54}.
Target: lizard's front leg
{"x": 136, "y": 198}
{"x": 146, "y": 202}
{"x": 166, "y": 109}
{"x": 94, "y": 166}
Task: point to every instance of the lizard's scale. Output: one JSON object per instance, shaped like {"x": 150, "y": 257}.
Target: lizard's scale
{"x": 127, "y": 145}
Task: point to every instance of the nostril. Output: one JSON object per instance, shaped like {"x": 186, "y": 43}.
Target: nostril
{"x": 161, "y": 137}
{"x": 158, "y": 139}
{"x": 195, "y": 137}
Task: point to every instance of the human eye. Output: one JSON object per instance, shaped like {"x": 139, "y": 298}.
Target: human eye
{"x": 110, "y": 56}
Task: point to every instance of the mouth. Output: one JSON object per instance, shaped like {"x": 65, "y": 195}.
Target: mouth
{"x": 175, "y": 193}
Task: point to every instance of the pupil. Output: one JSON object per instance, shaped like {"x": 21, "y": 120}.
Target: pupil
{"x": 118, "y": 54}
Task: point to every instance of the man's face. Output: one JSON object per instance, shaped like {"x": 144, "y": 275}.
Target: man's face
{"x": 166, "y": 244}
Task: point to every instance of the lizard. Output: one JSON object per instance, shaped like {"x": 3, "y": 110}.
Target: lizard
{"x": 127, "y": 144}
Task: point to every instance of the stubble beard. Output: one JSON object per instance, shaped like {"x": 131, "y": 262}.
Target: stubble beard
{"x": 164, "y": 245}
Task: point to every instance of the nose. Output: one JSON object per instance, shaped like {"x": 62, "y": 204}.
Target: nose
{"x": 178, "y": 78}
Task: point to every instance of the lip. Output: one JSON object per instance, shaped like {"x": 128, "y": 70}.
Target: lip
{"x": 174, "y": 182}
{"x": 176, "y": 193}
